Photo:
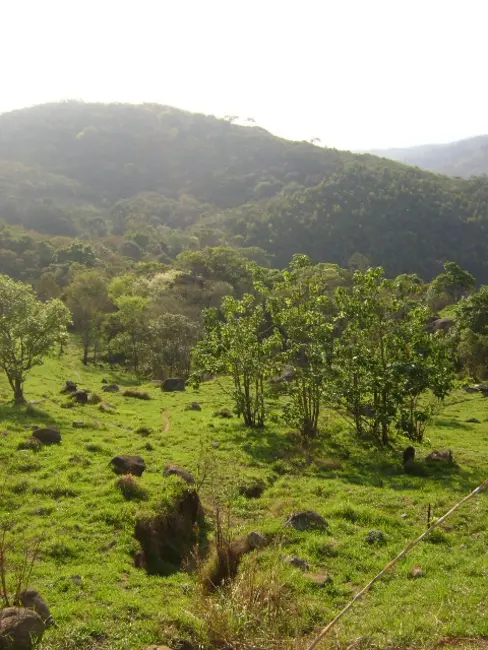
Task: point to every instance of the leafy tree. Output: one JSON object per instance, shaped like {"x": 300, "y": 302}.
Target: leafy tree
{"x": 47, "y": 287}
{"x": 301, "y": 311}
{"x": 386, "y": 359}
{"x": 452, "y": 285}
{"x": 29, "y": 329}
{"x": 472, "y": 332}
{"x": 87, "y": 298}
{"x": 237, "y": 344}
{"x": 131, "y": 322}
{"x": 171, "y": 338}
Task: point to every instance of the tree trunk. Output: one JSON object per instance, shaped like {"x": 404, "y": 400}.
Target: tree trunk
{"x": 85, "y": 355}
{"x": 18, "y": 392}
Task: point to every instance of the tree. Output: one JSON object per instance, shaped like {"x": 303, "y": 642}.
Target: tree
{"x": 87, "y": 298}
{"x": 449, "y": 287}
{"x": 301, "y": 312}
{"x": 171, "y": 338}
{"x": 237, "y": 344}
{"x": 132, "y": 335}
{"x": 472, "y": 332}
{"x": 29, "y": 329}
{"x": 387, "y": 360}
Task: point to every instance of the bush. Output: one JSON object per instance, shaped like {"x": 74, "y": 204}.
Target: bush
{"x": 130, "y": 488}
{"x": 138, "y": 394}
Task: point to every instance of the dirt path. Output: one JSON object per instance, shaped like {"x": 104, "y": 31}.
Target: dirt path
{"x": 166, "y": 423}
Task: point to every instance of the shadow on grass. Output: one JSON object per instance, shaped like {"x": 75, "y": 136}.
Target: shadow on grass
{"x": 451, "y": 423}
{"x": 24, "y": 415}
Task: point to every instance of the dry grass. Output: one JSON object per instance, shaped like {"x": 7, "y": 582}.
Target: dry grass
{"x": 130, "y": 488}
{"x": 255, "y": 610}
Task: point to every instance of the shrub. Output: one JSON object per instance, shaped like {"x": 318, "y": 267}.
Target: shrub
{"x": 138, "y": 394}
{"x": 130, "y": 488}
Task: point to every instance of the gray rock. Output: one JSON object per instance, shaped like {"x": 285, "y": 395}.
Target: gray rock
{"x": 297, "y": 562}
{"x": 256, "y": 539}
{"x": 79, "y": 424}
{"x": 442, "y": 456}
{"x": 69, "y": 387}
{"x": 128, "y": 465}
{"x": 32, "y": 599}
{"x": 47, "y": 436}
{"x": 306, "y": 520}
{"x": 20, "y": 628}
{"x": 194, "y": 406}
{"x": 80, "y": 396}
{"x": 252, "y": 490}
{"x": 173, "y": 384}
{"x": 171, "y": 469}
{"x": 111, "y": 388}
{"x": 375, "y": 537}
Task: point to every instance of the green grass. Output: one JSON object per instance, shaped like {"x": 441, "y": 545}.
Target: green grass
{"x": 67, "y": 495}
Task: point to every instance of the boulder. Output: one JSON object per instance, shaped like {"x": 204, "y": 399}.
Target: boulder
{"x": 110, "y": 388}
{"x": 128, "y": 465}
{"x": 306, "y": 520}
{"x": 173, "y": 384}
{"x": 80, "y": 396}
{"x": 252, "y": 490}
{"x": 256, "y": 540}
{"x": 442, "y": 456}
{"x": 32, "y": 599}
{"x": 473, "y": 421}
{"x": 20, "y": 628}
{"x": 375, "y": 537}
{"x": 194, "y": 406}
{"x": 295, "y": 561}
{"x": 171, "y": 469}
{"x": 47, "y": 436}
{"x": 79, "y": 424}
{"x": 442, "y": 324}
{"x": 69, "y": 387}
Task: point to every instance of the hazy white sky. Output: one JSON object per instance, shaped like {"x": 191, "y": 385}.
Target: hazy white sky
{"x": 356, "y": 73}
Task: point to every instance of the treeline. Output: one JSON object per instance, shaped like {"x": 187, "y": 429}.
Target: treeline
{"x": 148, "y": 182}
{"x": 372, "y": 348}
{"x": 360, "y": 344}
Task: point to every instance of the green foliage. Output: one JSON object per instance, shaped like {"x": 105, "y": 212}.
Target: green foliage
{"x": 29, "y": 329}
{"x": 450, "y": 286}
{"x": 302, "y": 316}
{"x": 153, "y": 182}
{"x": 387, "y": 361}
{"x": 239, "y": 345}
{"x": 87, "y": 298}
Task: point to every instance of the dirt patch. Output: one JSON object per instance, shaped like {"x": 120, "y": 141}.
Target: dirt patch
{"x": 166, "y": 422}
{"x": 168, "y": 540}
{"x": 463, "y": 642}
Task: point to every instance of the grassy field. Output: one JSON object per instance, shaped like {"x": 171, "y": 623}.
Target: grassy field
{"x": 66, "y": 495}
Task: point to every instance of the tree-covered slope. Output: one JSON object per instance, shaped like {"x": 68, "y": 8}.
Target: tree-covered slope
{"x": 463, "y": 158}
{"x": 167, "y": 180}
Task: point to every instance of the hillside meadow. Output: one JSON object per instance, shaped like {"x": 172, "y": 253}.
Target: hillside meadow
{"x": 66, "y": 496}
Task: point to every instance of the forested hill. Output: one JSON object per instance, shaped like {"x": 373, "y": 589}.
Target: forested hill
{"x": 151, "y": 180}
{"x": 463, "y": 158}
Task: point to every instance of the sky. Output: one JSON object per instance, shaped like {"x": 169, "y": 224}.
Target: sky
{"x": 358, "y": 74}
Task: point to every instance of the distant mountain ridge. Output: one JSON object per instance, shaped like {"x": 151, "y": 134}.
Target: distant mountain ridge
{"x": 152, "y": 180}
{"x": 464, "y": 158}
